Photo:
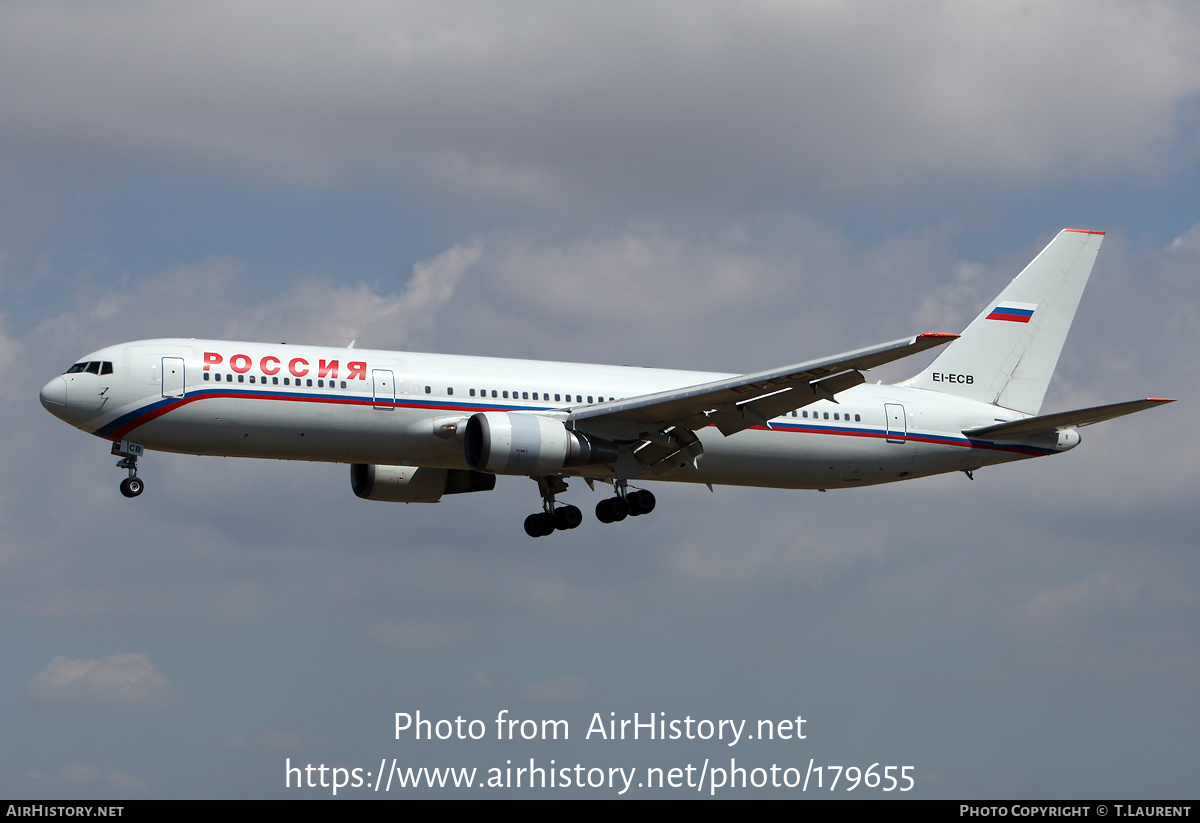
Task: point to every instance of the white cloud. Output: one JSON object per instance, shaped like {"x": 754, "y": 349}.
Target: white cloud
{"x": 79, "y": 780}
{"x": 538, "y": 101}
{"x": 480, "y": 682}
{"x": 413, "y": 635}
{"x": 11, "y": 352}
{"x": 275, "y": 740}
{"x": 317, "y": 311}
{"x": 952, "y": 306}
{"x": 1101, "y": 590}
{"x": 214, "y": 292}
{"x": 431, "y": 286}
{"x": 1189, "y": 241}
{"x": 119, "y": 682}
{"x": 570, "y": 688}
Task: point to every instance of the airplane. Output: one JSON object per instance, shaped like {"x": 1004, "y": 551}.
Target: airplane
{"x": 415, "y": 427}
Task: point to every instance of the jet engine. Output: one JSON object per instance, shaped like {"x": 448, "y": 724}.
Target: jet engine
{"x": 407, "y": 484}
{"x": 530, "y": 444}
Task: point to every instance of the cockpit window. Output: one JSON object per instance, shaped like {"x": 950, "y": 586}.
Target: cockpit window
{"x": 92, "y": 367}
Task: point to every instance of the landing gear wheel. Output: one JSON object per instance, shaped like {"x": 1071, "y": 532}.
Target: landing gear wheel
{"x": 619, "y": 509}
{"x": 611, "y": 510}
{"x": 604, "y": 511}
{"x": 567, "y": 517}
{"x": 531, "y": 526}
{"x": 539, "y": 525}
{"x": 132, "y": 486}
{"x": 640, "y": 502}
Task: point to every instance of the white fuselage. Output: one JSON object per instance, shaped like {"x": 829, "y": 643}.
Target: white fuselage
{"x": 400, "y": 409}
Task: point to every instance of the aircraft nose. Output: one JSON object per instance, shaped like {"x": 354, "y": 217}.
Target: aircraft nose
{"x": 54, "y": 395}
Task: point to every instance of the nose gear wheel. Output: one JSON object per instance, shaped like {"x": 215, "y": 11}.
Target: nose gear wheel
{"x": 129, "y": 453}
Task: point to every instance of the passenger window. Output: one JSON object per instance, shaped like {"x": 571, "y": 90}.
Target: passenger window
{"x": 525, "y": 395}
{"x": 472, "y": 392}
{"x": 493, "y": 392}
{"x": 506, "y": 395}
{"x": 449, "y": 391}
{"x": 428, "y": 390}
{"x": 343, "y": 384}
{"x": 241, "y": 378}
{"x": 857, "y": 418}
{"x": 206, "y": 376}
{"x": 309, "y": 382}
{"x": 557, "y": 399}
{"x": 251, "y": 378}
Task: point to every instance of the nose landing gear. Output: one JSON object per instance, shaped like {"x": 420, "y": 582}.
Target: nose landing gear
{"x": 132, "y": 486}
{"x": 129, "y": 453}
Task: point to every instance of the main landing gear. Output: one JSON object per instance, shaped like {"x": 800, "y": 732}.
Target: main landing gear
{"x": 129, "y": 453}
{"x": 562, "y": 518}
{"x": 625, "y": 503}
{"x": 552, "y": 516}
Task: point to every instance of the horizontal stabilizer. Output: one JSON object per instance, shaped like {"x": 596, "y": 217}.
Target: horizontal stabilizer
{"x": 1063, "y": 420}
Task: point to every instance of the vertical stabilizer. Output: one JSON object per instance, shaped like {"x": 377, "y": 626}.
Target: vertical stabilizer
{"x": 1008, "y": 353}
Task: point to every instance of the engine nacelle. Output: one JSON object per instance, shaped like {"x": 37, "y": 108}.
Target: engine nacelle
{"x": 530, "y": 444}
{"x": 408, "y": 484}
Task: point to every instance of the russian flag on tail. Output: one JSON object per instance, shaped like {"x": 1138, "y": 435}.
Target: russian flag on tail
{"x": 1013, "y": 312}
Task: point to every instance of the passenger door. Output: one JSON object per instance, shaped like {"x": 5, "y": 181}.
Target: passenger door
{"x": 383, "y": 384}
{"x": 897, "y": 428}
{"x": 172, "y": 377}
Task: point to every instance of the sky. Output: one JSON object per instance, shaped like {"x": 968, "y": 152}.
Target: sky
{"x": 699, "y": 185}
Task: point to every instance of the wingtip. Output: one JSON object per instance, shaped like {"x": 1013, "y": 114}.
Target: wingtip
{"x": 945, "y": 334}
{"x": 1161, "y": 399}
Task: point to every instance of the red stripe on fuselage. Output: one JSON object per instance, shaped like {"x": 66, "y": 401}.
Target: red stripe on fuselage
{"x": 878, "y": 434}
